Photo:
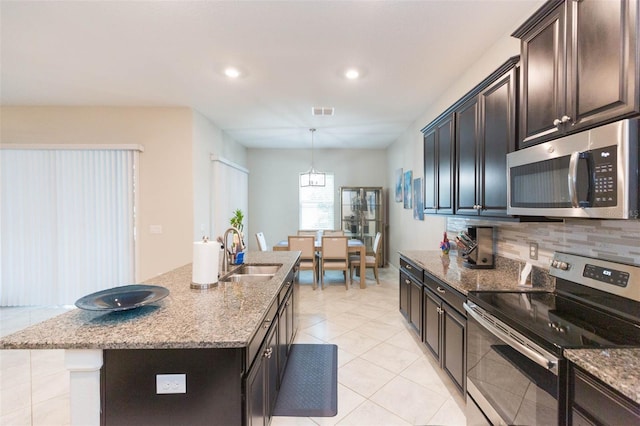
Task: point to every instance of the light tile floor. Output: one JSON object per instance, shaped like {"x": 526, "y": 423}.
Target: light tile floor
{"x": 385, "y": 375}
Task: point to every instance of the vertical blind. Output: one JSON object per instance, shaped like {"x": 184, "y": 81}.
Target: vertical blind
{"x": 67, "y": 224}
{"x": 230, "y": 191}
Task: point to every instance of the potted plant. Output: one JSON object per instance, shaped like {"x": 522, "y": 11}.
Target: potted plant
{"x": 236, "y": 222}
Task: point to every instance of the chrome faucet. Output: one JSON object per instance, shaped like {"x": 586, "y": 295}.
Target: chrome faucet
{"x": 225, "y": 257}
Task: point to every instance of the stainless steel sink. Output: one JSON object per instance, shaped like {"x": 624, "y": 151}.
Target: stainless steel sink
{"x": 251, "y": 273}
{"x": 250, "y": 269}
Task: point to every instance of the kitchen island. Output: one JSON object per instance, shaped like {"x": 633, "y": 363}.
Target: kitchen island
{"x": 213, "y": 337}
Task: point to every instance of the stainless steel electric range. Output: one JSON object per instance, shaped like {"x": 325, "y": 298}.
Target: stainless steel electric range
{"x": 516, "y": 371}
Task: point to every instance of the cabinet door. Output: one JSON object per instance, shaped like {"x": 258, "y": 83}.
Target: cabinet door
{"x": 255, "y": 391}
{"x": 445, "y": 177}
{"x": 454, "y": 346}
{"x": 543, "y": 79}
{"x": 415, "y": 302}
{"x": 602, "y": 55}
{"x": 405, "y": 284}
{"x": 498, "y": 118}
{"x": 282, "y": 342}
{"x": 467, "y": 147}
{"x": 430, "y": 172}
{"x": 351, "y": 212}
{"x": 271, "y": 380}
{"x": 432, "y": 308}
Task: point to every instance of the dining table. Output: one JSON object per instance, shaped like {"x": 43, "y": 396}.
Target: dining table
{"x": 353, "y": 246}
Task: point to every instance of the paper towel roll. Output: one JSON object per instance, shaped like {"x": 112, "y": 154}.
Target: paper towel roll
{"x": 205, "y": 263}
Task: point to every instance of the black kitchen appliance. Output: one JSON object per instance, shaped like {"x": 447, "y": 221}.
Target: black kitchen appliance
{"x": 516, "y": 371}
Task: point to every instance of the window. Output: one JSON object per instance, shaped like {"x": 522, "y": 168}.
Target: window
{"x": 316, "y": 206}
{"x": 67, "y": 223}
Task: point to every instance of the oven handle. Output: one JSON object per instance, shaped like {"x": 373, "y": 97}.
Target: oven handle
{"x": 549, "y": 362}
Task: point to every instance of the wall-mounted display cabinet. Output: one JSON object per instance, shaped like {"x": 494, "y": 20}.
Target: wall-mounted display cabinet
{"x": 362, "y": 215}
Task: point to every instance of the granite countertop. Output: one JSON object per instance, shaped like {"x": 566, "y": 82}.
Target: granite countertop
{"x": 450, "y": 269}
{"x": 226, "y": 315}
{"x": 618, "y": 368}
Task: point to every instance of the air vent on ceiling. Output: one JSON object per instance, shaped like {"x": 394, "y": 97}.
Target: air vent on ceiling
{"x": 321, "y": 110}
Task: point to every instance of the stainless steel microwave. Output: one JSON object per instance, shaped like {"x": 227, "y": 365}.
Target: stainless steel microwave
{"x": 591, "y": 174}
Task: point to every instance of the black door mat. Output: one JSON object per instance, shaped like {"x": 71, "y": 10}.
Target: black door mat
{"x": 310, "y": 383}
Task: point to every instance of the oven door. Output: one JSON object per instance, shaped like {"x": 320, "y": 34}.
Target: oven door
{"x": 511, "y": 379}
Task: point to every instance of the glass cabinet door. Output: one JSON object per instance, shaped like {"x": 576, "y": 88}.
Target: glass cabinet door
{"x": 361, "y": 214}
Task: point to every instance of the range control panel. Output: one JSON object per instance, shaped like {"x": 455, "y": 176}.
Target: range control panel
{"x": 621, "y": 279}
{"x": 606, "y": 275}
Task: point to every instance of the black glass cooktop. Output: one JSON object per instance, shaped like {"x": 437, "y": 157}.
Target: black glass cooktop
{"x": 559, "y": 322}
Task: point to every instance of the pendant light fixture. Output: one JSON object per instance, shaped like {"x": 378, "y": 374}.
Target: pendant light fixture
{"x": 312, "y": 177}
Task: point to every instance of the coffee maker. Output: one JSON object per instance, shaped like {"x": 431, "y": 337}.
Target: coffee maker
{"x": 479, "y": 247}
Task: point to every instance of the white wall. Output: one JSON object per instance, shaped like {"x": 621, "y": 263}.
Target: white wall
{"x": 209, "y": 139}
{"x": 407, "y": 153}
{"x": 273, "y": 184}
{"x": 174, "y": 167}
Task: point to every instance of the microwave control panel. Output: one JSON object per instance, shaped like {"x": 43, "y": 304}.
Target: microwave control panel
{"x": 605, "y": 176}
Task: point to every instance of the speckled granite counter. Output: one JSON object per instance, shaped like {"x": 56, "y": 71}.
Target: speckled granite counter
{"x": 226, "y": 315}
{"x": 451, "y": 270}
{"x": 618, "y": 368}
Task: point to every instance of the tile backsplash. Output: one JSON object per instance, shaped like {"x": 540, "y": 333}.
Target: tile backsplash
{"x": 617, "y": 240}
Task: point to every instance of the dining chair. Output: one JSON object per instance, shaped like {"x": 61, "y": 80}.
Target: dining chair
{"x": 335, "y": 257}
{"x": 370, "y": 261}
{"x": 334, "y": 233}
{"x": 262, "y": 242}
{"x": 306, "y": 245}
{"x": 307, "y": 232}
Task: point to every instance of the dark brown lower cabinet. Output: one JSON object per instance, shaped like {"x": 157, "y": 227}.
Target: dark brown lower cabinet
{"x": 415, "y": 299}
{"x": 444, "y": 328}
{"x": 592, "y": 402}
{"x": 405, "y": 291}
{"x": 454, "y": 346}
{"x": 224, "y": 386}
{"x": 262, "y": 382}
{"x": 435, "y": 311}
{"x": 432, "y": 326}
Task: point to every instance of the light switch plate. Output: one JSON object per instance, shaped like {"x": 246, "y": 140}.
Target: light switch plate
{"x": 533, "y": 251}
{"x": 171, "y": 383}
{"x": 155, "y": 229}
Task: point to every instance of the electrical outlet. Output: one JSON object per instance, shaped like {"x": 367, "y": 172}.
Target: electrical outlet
{"x": 171, "y": 383}
{"x": 533, "y": 251}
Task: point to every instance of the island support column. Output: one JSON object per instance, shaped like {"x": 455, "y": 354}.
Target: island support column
{"x": 84, "y": 373}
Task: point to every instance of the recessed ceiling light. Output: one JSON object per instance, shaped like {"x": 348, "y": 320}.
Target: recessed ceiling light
{"x": 352, "y": 74}
{"x": 232, "y": 72}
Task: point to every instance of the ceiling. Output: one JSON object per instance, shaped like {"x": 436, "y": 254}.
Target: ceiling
{"x": 292, "y": 55}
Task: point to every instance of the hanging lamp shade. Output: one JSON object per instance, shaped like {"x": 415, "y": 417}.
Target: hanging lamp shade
{"x": 312, "y": 177}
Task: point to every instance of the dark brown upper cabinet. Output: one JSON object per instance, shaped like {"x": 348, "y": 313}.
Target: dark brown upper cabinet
{"x": 439, "y": 165}
{"x": 465, "y": 149}
{"x": 579, "y": 67}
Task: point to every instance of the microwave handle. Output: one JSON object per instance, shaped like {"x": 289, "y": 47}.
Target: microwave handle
{"x": 573, "y": 179}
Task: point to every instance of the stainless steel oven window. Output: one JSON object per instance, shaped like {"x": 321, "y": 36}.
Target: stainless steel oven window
{"x": 508, "y": 386}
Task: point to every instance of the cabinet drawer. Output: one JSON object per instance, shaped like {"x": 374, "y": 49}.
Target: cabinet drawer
{"x": 448, "y": 294}
{"x": 601, "y": 403}
{"x": 411, "y": 269}
{"x": 288, "y": 282}
{"x": 254, "y": 345}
